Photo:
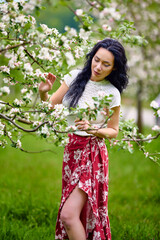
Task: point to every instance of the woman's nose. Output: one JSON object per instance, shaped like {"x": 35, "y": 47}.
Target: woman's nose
{"x": 98, "y": 67}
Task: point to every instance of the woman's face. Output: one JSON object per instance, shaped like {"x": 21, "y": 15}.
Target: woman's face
{"x": 102, "y": 64}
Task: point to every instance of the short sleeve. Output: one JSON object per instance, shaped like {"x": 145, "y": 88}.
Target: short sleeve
{"x": 116, "y": 99}
{"x": 68, "y": 78}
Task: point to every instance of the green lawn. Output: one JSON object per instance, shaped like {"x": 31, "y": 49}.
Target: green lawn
{"x": 30, "y": 190}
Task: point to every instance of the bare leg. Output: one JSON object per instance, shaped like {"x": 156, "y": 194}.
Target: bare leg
{"x": 70, "y": 214}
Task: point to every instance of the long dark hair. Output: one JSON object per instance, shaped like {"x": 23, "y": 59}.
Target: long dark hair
{"x": 118, "y": 77}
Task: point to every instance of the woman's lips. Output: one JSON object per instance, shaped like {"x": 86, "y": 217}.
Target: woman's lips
{"x": 96, "y": 73}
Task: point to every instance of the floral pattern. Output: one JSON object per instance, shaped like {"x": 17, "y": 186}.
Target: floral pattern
{"x": 85, "y": 165}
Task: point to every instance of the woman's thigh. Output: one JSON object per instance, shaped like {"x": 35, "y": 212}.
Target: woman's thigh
{"x": 74, "y": 203}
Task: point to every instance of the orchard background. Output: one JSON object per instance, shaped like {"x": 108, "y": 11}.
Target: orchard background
{"x": 38, "y": 37}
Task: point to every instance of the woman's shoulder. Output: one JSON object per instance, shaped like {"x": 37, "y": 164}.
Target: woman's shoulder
{"x": 116, "y": 96}
{"x": 68, "y": 78}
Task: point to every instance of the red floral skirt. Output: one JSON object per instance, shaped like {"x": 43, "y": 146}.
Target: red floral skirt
{"x": 85, "y": 165}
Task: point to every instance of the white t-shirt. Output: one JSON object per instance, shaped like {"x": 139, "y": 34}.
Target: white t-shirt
{"x": 91, "y": 90}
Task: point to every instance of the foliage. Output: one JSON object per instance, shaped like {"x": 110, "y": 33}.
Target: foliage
{"x": 30, "y": 51}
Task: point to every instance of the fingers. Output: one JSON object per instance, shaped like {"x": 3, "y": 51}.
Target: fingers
{"x": 51, "y": 77}
{"x": 49, "y": 82}
{"x": 82, "y": 125}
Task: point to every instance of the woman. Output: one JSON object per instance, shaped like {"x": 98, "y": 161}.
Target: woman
{"x": 83, "y": 213}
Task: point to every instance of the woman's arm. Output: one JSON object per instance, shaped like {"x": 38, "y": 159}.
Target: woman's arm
{"x": 57, "y": 97}
{"x": 112, "y": 126}
{"x": 46, "y": 86}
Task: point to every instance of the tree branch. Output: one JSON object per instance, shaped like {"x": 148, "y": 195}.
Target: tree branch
{"x": 18, "y": 126}
{"x": 15, "y": 46}
{"x": 139, "y": 139}
{"x": 23, "y": 150}
{"x": 92, "y": 5}
{"x": 30, "y": 55}
{"x": 80, "y": 20}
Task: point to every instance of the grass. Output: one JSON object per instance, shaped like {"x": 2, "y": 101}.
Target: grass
{"x": 30, "y": 190}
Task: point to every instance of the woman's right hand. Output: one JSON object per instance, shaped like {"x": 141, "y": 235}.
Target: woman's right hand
{"x": 47, "y": 85}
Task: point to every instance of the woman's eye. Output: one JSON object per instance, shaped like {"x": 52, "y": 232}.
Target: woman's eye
{"x": 106, "y": 65}
{"x": 96, "y": 59}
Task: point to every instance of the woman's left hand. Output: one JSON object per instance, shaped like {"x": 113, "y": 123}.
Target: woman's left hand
{"x": 82, "y": 124}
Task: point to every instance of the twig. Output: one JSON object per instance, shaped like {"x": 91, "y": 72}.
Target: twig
{"x": 139, "y": 139}
{"x": 30, "y": 55}
{"x": 101, "y": 4}
{"x": 23, "y": 150}
{"x": 141, "y": 148}
{"x": 8, "y": 104}
{"x": 92, "y": 5}
{"x": 15, "y": 46}
{"x": 80, "y": 20}
{"x": 18, "y": 126}
{"x": 24, "y": 121}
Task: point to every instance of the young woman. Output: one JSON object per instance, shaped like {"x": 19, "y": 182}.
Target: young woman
{"x": 83, "y": 213}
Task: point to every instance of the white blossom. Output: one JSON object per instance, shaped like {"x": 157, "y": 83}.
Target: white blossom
{"x": 44, "y": 54}
{"x": 36, "y": 123}
{"x": 110, "y": 12}
{"x": 27, "y": 116}
{"x": 158, "y": 112}
{"x": 45, "y": 130}
{"x": 15, "y": 5}
{"x": 106, "y": 27}
{"x": 2, "y": 126}
{"x": 72, "y": 32}
{"x": 5, "y": 90}
{"x": 2, "y": 26}
{"x": 19, "y": 144}
{"x": 14, "y": 110}
{"x": 20, "y": 52}
{"x": 1, "y": 106}
{"x": 46, "y": 104}
{"x": 149, "y": 136}
{"x": 30, "y": 5}
{"x": 66, "y": 45}
{"x": 23, "y": 90}
{"x": 154, "y": 104}
{"x": 13, "y": 61}
{"x": 64, "y": 142}
{"x": 38, "y": 73}
{"x": 5, "y": 69}
{"x": 79, "y": 52}
{"x": 155, "y": 128}
{"x": 1, "y": 133}
{"x": 46, "y": 29}
{"x": 42, "y": 115}
{"x": 9, "y": 134}
{"x": 29, "y": 95}
{"x": 6, "y": 80}
{"x": 70, "y": 59}
{"x": 79, "y": 12}
{"x": 83, "y": 34}
{"x": 28, "y": 68}
{"x": 5, "y": 18}
{"x": 134, "y": 131}
{"x": 4, "y": 8}
{"x": 55, "y": 31}
{"x": 22, "y": 19}
{"x": 17, "y": 102}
